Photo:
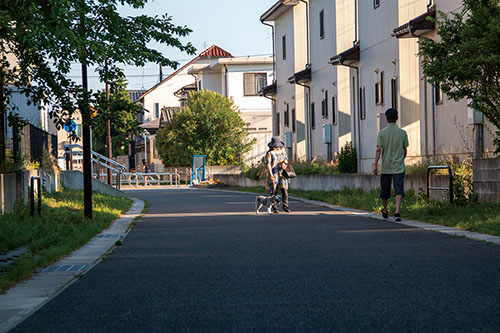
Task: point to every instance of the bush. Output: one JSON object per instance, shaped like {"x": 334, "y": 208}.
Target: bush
{"x": 348, "y": 162}
{"x": 305, "y": 168}
{"x": 256, "y": 172}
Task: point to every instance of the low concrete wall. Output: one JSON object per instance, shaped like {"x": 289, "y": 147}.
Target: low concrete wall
{"x": 8, "y": 192}
{"x": 339, "y": 182}
{"x": 73, "y": 179}
{"x": 486, "y": 178}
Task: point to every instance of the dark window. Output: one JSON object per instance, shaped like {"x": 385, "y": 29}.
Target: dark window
{"x": 376, "y": 4}
{"x": 334, "y": 113}
{"x": 382, "y": 88}
{"x": 287, "y": 115}
{"x": 313, "y": 116}
{"x": 324, "y": 106}
{"x": 293, "y": 120}
{"x": 283, "y": 45}
{"x": 322, "y": 24}
{"x": 362, "y": 103}
{"x": 377, "y": 93}
{"x": 438, "y": 94}
{"x": 394, "y": 92}
{"x": 253, "y": 83}
{"x": 277, "y": 123}
{"x": 157, "y": 110}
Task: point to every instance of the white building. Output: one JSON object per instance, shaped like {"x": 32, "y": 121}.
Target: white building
{"x": 340, "y": 64}
{"x": 217, "y": 70}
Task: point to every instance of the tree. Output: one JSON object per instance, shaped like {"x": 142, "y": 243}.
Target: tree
{"x": 122, "y": 113}
{"x": 465, "y": 62}
{"x": 209, "y": 125}
{"x": 46, "y": 36}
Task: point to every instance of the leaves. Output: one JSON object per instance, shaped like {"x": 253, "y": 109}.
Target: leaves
{"x": 210, "y": 125}
{"x": 465, "y": 62}
{"x": 47, "y": 36}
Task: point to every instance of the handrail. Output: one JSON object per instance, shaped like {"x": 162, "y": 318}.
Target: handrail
{"x": 450, "y": 186}
{"x": 32, "y": 195}
{"x": 102, "y": 157}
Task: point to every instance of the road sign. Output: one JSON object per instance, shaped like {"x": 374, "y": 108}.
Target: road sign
{"x": 70, "y": 127}
{"x": 94, "y": 111}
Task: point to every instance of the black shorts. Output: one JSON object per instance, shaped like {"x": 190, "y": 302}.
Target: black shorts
{"x": 385, "y": 185}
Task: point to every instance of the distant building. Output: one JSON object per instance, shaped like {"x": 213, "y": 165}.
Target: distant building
{"x": 216, "y": 70}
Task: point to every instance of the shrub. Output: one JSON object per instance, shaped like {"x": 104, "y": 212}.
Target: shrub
{"x": 348, "y": 162}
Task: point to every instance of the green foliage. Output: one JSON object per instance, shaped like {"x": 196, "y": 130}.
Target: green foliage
{"x": 209, "y": 125}
{"x": 463, "y": 186}
{"x": 256, "y": 172}
{"x": 43, "y": 38}
{"x": 348, "y": 162}
{"x": 60, "y": 229}
{"x": 306, "y": 168}
{"x": 122, "y": 113}
{"x": 465, "y": 61}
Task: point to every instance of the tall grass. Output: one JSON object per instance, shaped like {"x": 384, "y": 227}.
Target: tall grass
{"x": 60, "y": 229}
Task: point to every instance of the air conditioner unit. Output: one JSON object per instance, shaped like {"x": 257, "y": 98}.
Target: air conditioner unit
{"x": 327, "y": 133}
{"x": 288, "y": 139}
{"x": 381, "y": 121}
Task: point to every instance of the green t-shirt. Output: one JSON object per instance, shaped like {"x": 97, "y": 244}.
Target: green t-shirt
{"x": 393, "y": 140}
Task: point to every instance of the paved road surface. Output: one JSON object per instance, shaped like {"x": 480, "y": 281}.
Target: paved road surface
{"x": 203, "y": 261}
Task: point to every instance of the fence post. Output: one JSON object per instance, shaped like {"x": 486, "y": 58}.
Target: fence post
{"x": 32, "y": 195}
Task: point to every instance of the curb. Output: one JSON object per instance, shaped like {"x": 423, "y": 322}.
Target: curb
{"x": 22, "y": 300}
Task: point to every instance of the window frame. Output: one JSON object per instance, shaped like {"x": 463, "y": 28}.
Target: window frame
{"x": 362, "y": 102}
{"x": 322, "y": 24}
{"x": 286, "y": 115}
{"x": 294, "y": 120}
{"x": 283, "y": 46}
{"x": 156, "y": 108}
{"x": 394, "y": 92}
{"x": 438, "y": 94}
{"x": 334, "y": 110}
{"x": 313, "y": 116}
{"x": 256, "y": 78}
{"x": 376, "y": 4}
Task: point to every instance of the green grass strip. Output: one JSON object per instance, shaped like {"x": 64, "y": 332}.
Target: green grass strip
{"x": 60, "y": 230}
{"x": 478, "y": 217}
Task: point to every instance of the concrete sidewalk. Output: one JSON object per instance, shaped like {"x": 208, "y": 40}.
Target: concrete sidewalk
{"x": 25, "y": 298}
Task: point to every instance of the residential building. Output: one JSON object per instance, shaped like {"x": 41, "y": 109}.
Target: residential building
{"x": 217, "y": 70}
{"x": 364, "y": 60}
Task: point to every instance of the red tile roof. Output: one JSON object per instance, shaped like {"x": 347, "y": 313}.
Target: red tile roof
{"x": 215, "y": 51}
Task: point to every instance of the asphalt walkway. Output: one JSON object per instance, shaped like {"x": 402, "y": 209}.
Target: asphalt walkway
{"x": 203, "y": 261}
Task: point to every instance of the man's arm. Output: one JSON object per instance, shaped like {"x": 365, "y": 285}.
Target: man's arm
{"x": 377, "y": 157}
{"x": 406, "y": 151}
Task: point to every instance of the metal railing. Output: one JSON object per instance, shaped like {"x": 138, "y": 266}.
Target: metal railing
{"x": 450, "y": 185}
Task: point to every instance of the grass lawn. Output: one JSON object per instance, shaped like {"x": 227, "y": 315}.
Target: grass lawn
{"x": 60, "y": 230}
{"x": 479, "y": 217}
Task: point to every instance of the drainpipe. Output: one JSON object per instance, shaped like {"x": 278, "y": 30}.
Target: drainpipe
{"x": 357, "y": 118}
{"x": 309, "y": 143}
{"x": 274, "y": 60}
{"x": 273, "y": 101}
{"x": 307, "y": 31}
{"x": 433, "y": 108}
{"x": 225, "y": 80}
{"x": 195, "y": 81}
{"x": 355, "y": 22}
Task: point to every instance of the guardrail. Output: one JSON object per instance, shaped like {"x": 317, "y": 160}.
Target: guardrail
{"x": 150, "y": 177}
{"x": 32, "y": 195}
{"x": 450, "y": 176}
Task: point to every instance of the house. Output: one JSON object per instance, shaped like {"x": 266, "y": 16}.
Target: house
{"x": 217, "y": 70}
{"x": 364, "y": 61}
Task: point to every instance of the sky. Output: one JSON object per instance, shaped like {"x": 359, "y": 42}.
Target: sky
{"x": 233, "y": 25}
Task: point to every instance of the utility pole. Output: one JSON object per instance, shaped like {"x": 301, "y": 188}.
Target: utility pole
{"x": 108, "y": 137}
{"x": 85, "y": 112}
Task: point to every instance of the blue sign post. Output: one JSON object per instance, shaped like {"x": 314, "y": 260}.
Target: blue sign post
{"x": 199, "y": 169}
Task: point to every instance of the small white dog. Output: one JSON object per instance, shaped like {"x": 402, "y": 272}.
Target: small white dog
{"x": 267, "y": 201}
